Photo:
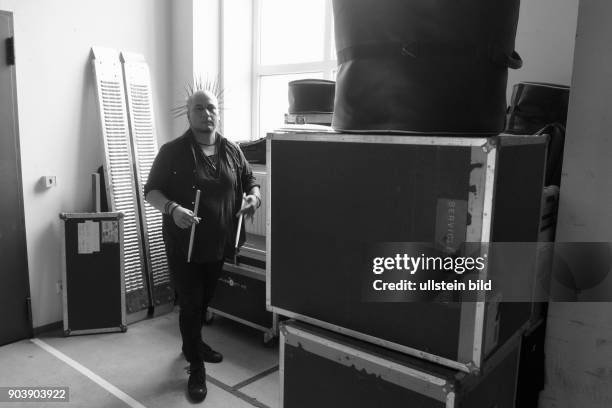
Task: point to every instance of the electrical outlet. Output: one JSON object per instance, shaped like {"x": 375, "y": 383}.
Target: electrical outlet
{"x": 50, "y": 181}
{"x": 58, "y": 287}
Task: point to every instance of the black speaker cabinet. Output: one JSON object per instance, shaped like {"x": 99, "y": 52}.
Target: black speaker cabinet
{"x": 332, "y": 196}
{"x": 92, "y": 274}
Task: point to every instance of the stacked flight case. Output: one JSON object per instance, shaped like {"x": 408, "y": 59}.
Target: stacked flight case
{"x": 351, "y": 191}
{"x": 323, "y": 369}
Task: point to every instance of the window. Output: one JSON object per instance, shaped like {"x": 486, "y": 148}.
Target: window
{"x": 293, "y": 40}
{"x": 264, "y": 48}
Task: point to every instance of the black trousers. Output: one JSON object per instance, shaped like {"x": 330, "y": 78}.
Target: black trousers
{"x": 195, "y": 285}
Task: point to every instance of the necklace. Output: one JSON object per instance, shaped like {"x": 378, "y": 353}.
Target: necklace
{"x": 206, "y": 144}
{"x": 211, "y": 160}
{"x": 206, "y": 148}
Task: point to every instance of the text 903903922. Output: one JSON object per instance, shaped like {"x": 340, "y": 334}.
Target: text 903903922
{"x": 34, "y": 394}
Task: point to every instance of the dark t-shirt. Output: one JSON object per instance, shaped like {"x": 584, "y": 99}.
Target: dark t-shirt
{"x": 179, "y": 170}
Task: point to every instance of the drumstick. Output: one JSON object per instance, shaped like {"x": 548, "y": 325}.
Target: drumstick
{"x": 195, "y": 214}
{"x": 240, "y": 222}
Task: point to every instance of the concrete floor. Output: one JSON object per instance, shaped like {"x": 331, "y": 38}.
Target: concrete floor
{"x": 144, "y": 367}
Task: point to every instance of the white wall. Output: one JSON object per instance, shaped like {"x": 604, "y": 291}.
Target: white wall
{"x": 545, "y": 41}
{"x": 196, "y": 53}
{"x": 578, "y": 346}
{"x": 587, "y": 168}
{"x": 58, "y": 122}
{"x": 206, "y": 42}
{"x": 182, "y": 59}
{"x": 238, "y": 68}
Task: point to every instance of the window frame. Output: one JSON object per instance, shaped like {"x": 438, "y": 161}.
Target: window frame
{"x": 327, "y": 65}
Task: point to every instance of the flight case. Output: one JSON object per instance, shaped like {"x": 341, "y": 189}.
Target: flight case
{"x": 93, "y": 273}
{"x": 331, "y": 195}
{"x": 319, "y": 368}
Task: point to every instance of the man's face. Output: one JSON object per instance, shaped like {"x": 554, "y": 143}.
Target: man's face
{"x": 202, "y": 112}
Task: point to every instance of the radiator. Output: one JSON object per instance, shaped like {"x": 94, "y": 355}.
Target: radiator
{"x": 258, "y": 226}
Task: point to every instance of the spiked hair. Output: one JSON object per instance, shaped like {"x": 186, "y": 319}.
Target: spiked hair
{"x": 209, "y": 85}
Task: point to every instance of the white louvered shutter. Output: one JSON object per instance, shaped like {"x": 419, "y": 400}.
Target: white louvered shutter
{"x": 118, "y": 172}
{"x": 144, "y": 146}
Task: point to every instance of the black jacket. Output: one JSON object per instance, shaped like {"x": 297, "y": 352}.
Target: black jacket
{"x": 178, "y": 171}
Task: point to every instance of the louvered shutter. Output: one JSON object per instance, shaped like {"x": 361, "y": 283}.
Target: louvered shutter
{"x": 144, "y": 146}
{"x": 119, "y": 174}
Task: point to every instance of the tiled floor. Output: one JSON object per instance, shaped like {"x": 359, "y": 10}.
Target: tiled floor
{"x": 146, "y": 366}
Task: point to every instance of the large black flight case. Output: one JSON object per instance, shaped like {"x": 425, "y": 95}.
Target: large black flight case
{"x": 332, "y": 196}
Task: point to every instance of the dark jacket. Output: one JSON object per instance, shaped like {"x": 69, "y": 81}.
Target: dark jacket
{"x": 178, "y": 171}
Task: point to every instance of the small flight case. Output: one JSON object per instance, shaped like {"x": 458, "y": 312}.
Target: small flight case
{"x": 92, "y": 273}
{"x": 241, "y": 296}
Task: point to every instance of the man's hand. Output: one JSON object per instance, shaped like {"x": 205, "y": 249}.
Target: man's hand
{"x": 184, "y": 218}
{"x": 249, "y": 205}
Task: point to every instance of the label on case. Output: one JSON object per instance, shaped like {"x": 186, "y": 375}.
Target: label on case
{"x": 451, "y": 224}
{"x": 88, "y": 237}
{"x": 110, "y": 232}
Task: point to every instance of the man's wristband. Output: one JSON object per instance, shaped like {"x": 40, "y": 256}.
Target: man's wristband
{"x": 167, "y": 206}
{"x": 174, "y": 208}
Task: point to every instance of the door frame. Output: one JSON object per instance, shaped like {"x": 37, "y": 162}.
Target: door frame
{"x": 19, "y": 178}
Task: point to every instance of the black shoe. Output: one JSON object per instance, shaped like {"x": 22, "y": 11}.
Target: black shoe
{"x": 210, "y": 355}
{"x": 196, "y": 385}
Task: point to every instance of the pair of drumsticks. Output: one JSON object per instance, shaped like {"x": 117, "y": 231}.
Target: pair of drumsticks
{"x": 195, "y": 212}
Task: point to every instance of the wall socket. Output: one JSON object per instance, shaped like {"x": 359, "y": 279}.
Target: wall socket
{"x": 58, "y": 287}
{"x": 50, "y": 181}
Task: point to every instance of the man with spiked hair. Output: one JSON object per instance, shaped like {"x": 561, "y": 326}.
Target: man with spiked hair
{"x": 201, "y": 159}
